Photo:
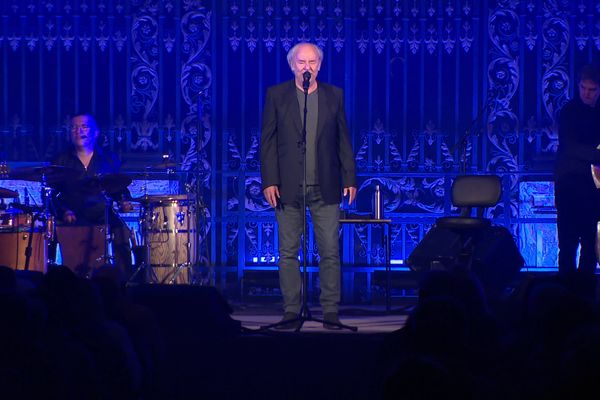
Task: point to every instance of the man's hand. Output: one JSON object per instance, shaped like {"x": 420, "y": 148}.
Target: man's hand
{"x": 351, "y": 190}
{"x": 69, "y": 217}
{"x": 272, "y": 194}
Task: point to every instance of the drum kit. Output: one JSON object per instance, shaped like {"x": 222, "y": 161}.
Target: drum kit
{"x": 168, "y": 227}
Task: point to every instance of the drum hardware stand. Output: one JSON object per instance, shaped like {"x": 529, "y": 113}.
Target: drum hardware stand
{"x": 44, "y": 216}
{"x": 49, "y": 219}
{"x": 144, "y": 257}
{"x": 49, "y": 234}
{"x": 108, "y": 259}
{"x": 28, "y": 249}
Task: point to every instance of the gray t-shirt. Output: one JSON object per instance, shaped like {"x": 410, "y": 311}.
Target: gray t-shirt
{"x": 312, "y": 116}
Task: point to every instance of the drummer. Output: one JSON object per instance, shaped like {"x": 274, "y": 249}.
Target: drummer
{"x": 81, "y": 202}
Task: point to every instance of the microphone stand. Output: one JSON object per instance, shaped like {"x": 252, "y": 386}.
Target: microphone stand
{"x": 45, "y": 216}
{"x": 108, "y": 259}
{"x": 462, "y": 144}
{"x": 305, "y": 314}
{"x": 463, "y": 141}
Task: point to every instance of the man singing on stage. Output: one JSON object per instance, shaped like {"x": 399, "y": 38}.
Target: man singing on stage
{"x": 329, "y": 170}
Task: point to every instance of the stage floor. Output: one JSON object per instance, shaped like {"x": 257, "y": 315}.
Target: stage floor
{"x": 368, "y": 319}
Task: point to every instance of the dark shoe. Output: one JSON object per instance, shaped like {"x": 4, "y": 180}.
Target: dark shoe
{"x": 289, "y": 321}
{"x": 331, "y": 321}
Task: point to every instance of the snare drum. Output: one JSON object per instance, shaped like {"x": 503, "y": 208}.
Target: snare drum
{"x": 171, "y": 236}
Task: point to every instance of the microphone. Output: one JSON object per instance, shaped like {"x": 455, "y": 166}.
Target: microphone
{"x": 306, "y": 83}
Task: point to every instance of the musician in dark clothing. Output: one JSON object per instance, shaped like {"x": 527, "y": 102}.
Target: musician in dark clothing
{"x": 83, "y": 201}
{"x": 576, "y": 196}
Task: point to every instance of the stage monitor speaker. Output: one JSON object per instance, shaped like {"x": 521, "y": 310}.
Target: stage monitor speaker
{"x": 187, "y": 310}
{"x": 495, "y": 258}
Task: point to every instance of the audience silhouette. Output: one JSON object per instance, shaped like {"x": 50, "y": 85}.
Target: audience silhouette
{"x": 72, "y": 337}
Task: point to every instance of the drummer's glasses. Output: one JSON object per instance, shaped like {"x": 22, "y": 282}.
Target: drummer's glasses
{"x": 76, "y": 128}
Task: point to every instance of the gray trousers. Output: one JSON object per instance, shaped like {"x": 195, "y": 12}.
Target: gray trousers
{"x": 325, "y": 218}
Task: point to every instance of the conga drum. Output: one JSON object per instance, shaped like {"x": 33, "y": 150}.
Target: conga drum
{"x": 171, "y": 237}
{"x": 15, "y": 232}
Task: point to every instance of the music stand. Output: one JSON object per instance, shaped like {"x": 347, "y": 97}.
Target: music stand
{"x": 305, "y": 314}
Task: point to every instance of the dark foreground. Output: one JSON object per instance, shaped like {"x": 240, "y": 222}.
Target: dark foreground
{"x": 71, "y": 338}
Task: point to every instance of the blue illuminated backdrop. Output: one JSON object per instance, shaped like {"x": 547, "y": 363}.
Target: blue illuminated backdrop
{"x": 188, "y": 78}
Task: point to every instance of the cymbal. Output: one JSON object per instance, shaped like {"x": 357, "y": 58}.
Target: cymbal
{"x": 110, "y": 183}
{"x": 163, "y": 165}
{"x": 157, "y": 199}
{"x": 151, "y": 175}
{"x": 51, "y": 173}
{"x": 26, "y": 208}
{"x": 7, "y": 193}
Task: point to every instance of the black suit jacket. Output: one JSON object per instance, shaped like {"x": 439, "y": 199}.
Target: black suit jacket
{"x": 281, "y": 159}
{"x": 578, "y": 137}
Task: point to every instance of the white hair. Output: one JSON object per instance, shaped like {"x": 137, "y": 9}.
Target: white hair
{"x": 292, "y": 53}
